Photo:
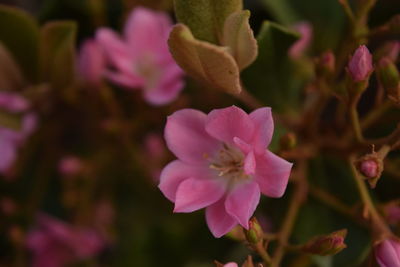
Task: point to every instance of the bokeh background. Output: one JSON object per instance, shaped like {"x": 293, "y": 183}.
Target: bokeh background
{"x": 121, "y": 152}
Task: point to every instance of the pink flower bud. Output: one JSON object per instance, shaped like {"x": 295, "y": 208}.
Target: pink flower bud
{"x": 387, "y": 253}
{"x": 91, "y": 63}
{"x": 360, "y": 65}
{"x": 325, "y": 64}
{"x": 369, "y": 168}
{"x": 327, "y": 244}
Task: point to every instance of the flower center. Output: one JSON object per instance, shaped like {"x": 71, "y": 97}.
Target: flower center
{"x": 146, "y": 67}
{"x": 228, "y": 162}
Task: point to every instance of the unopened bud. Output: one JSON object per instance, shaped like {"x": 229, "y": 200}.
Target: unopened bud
{"x": 326, "y": 245}
{"x": 389, "y": 77}
{"x": 389, "y": 50}
{"x": 325, "y": 64}
{"x": 387, "y": 252}
{"x": 360, "y": 65}
{"x": 255, "y": 233}
{"x": 288, "y": 141}
{"x": 370, "y": 166}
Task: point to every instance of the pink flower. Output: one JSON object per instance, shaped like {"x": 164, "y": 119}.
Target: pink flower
{"x": 12, "y": 139}
{"x": 306, "y": 32}
{"x": 231, "y": 264}
{"x": 54, "y": 243}
{"x": 91, "y": 62}
{"x": 141, "y": 59}
{"x": 223, "y": 164}
{"x": 360, "y": 65}
{"x": 387, "y": 253}
{"x": 70, "y": 165}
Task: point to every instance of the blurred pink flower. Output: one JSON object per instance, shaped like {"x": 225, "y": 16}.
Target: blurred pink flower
{"x": 12, "y": 139}
{"x": 141, "y": 59}
{"x": 55, "y": 243}
{"x": 70, "y": 165}
{"x": 306, "y": 32}
{"x": 360, "y": 65}
{"x": 392, "y": 212}
{"x": 154, "y": 154}
{"x": 387, "y": 253}
{"x": 223, "y": 164}
{"x": 231, "y": 264}
{"x": 91, "y": 62}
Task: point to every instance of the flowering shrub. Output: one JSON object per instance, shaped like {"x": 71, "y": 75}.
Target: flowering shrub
{"x": 111, "y": 110}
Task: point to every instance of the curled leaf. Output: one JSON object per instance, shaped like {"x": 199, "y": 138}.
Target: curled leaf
{"x": 239, "y": 37}
{"x": 204, "y": 61}
{"x": 206, "y": 18}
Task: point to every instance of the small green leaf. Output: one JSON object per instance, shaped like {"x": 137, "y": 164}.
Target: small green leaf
{"x": 57, "y": 53}
{"x": 10, "y": 120}
{"x": 268, "y": 78}
{"x": 10, "y": 74}
{"x": 211, "y": 64}
{"x": 239, "y": 37}
{"x": 19, "y": 32}
{"x": 282, "y": 11}
{"x": 206, "y": 18}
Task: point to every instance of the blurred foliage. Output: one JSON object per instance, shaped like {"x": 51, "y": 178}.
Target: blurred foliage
{"x": 146, "y": 232}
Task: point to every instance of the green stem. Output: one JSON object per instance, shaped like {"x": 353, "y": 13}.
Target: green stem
{"x": 355, "y": 122}
{"x": 259, "y": 248}
{"x": 331, "y": 201}
{"x": 291, "y": 216}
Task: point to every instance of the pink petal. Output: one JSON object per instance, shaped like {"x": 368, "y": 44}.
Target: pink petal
{"x": 231, "y": 264}
{"x": 8, "y": 153}
{"x": 242, "y": 202}
{"x": 147, "y": 30}
{"x": 164, "y": 94}
{"x": 250, "y": 163}
{"x": 175, "y": 173}
{"x": 186, "y": 137}
{"x": 387, "y": 253}
{"x": 227, "y": 123}
{"x": 91, "y": 62}
{"x": 272, "y": 174}
{"x": 219, "y": 222}
{"x": 167, "y": 88}
{"x": 242, "y": 145}
{"x": 116, "y": 51}
{"x": 264, "y": 128}
{"x": 194, "y": 194}
{"x": 124, "y": 79}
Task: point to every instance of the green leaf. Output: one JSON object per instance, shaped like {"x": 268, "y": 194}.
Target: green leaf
{"x": 327, "y": 18}
{"x": 10, "y": 120}
{"x": 282, "y": 11}
{"x": 206, "y": 18}
{"x": 239, "y": 37}
{"x": 270, "y": 77}
{"x": 57, "y": 53}
{"x": 10, "y": 75}
{"x": 19, "y": 32}
{"x": 211, "y": 64}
